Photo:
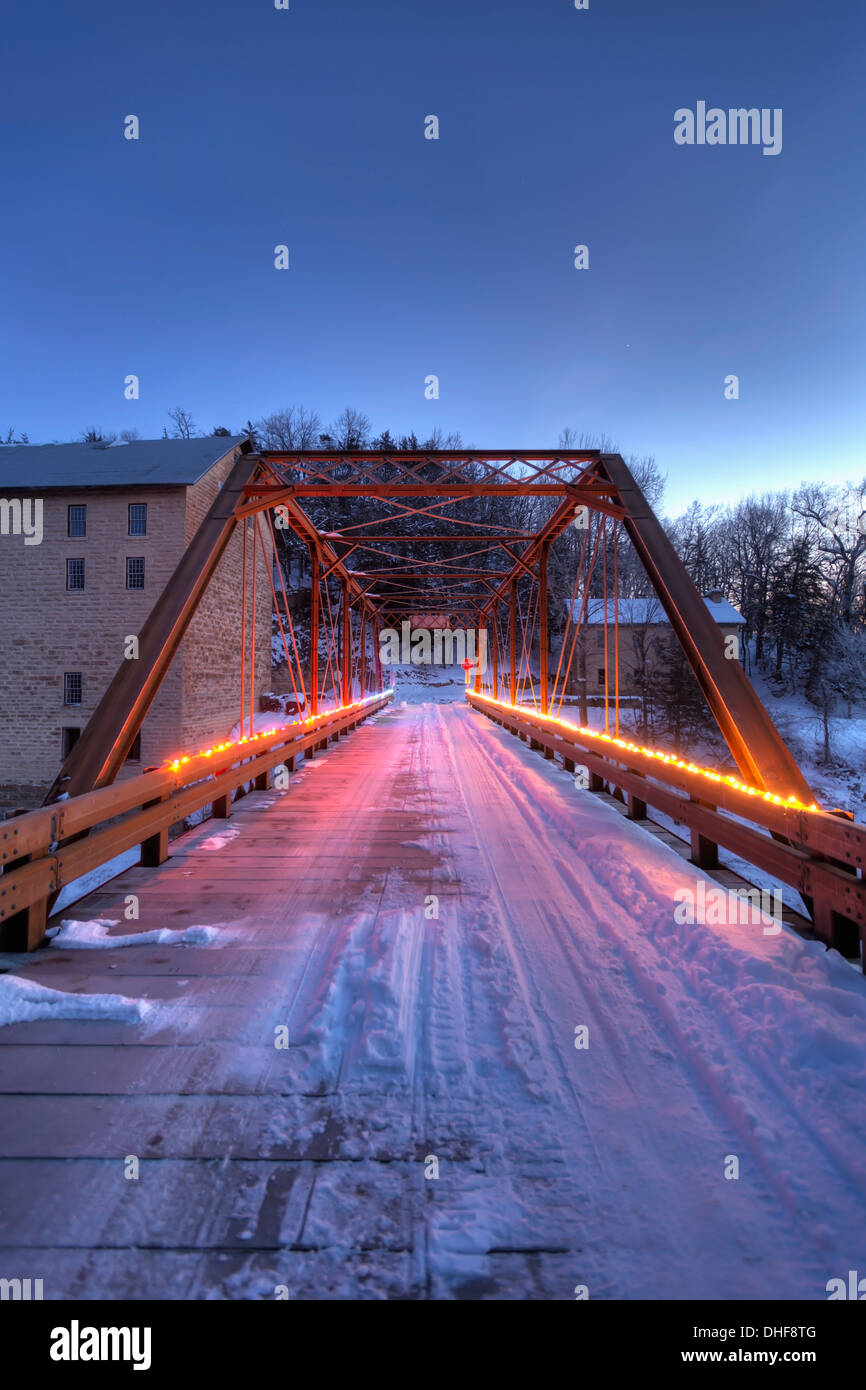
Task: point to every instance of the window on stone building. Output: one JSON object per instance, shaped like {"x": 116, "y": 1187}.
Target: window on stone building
{"x": 76, "y": 520}
{"x": 134, "y": 754}
{"x": 601, "y": 675}
{"x": 72, "y": 687}
{"x": 75, "y": 574}
{"x": 138, "y": 518}
{"x": 70, "y": 738}
{"x": 135, "y": 572}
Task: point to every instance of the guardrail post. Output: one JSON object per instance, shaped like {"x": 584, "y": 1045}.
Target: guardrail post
{"x": 154, "y": 850}
{"x": 836, "y": 931}
{"x": 705, "y": 853}
{"x": 25, "y": 930}
{"x": 35, "y": 924}
{"x": 541, "y": 747}
{"x": 636, "y": 806}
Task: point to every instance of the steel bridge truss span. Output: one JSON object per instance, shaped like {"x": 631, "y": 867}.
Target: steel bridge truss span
{"x": 436, "y": 486}
{"x": 465, "y": 560}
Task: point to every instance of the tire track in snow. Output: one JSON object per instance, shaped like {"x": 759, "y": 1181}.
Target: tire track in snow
{"x": 602, "y": 1021}
{"x": 602, "y": 905}
{"x": 534, "y": 1010}
{"x": 761, "y": 1076}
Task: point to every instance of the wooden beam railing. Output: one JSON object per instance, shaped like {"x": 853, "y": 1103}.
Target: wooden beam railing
{"x": 43, "y": 850}
{"x": 819, "y": 853}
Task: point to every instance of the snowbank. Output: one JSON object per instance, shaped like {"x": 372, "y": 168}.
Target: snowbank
{"x": 93, "y": 936}
{"x": 23, "y": 1001}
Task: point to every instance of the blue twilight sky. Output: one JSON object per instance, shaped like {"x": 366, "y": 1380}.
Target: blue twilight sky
{"x": 411, "y": 257}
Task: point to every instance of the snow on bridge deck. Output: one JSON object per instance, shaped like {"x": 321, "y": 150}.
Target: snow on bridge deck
{"x": 413, "y": 1037}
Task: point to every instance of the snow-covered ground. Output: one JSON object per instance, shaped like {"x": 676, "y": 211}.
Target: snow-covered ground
{"x": 511, "y": 1073}
{"x": 426, "y": 684}
{"x": 843, "y": 783}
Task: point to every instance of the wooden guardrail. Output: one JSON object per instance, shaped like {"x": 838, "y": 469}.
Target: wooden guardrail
{"x": 820, "y": 853}
{"x": 43, "y": 850}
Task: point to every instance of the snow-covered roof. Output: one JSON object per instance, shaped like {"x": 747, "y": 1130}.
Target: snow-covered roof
{"x": 166, "y": 462}
{"x": 638, "y": 611}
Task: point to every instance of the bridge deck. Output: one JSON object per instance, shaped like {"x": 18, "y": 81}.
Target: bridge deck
{"x": 414, "y": 1038}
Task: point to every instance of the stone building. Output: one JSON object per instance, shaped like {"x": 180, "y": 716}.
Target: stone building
{"x": 646, "y": 641}
{"x": 113, "y": 522}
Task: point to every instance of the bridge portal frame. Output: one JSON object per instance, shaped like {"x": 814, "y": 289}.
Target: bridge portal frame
{"x": 424, "y": 484}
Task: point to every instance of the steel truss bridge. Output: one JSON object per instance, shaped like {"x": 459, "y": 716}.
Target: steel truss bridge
{"x": 423, "y": 536}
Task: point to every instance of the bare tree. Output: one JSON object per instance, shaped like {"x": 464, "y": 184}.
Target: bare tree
{"x": 438, "y": 440}
{"x": 570, "y": 438}
{"x": 129, "y": 436}
{"x": 649, "y": 478}
{"x": 292, "y": 428}
{"x": 694, "y": 535}
{"x": 840, "y": 676}
{"x": 184, "y": 425}
{"x": 350, "y": 431}
{"x": 838, "y": 516}
{"x": 757, "y": 538}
